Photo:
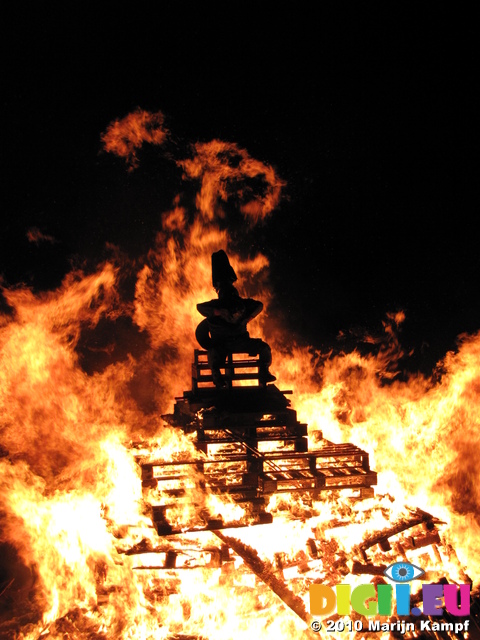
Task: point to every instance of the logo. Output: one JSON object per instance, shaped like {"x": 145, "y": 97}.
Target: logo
{"x": 403, "y": 572}
{"x": 368, "y": 600}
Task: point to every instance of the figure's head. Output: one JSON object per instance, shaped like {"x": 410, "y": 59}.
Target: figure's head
{"x": 226, "y": 291}
{"x": 223, "y": 273}
{"x": 231, "y": 299}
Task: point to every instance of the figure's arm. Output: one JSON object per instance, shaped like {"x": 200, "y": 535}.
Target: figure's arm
{"x": 242, "y": 316}
{"x": 253, "y": 308}
{"x": 214, "y": 308}
{"x": 207, "y": 309}
{"x": 246, "y": 312}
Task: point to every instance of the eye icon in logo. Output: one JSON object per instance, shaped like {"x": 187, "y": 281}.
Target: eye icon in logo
{"x": 403, "y": 572}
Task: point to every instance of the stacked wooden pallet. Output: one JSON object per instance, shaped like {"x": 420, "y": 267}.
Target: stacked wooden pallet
{"x": 250, "y": 445}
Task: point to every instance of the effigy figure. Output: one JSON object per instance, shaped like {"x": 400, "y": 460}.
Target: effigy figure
{"x": 224, "y": 329}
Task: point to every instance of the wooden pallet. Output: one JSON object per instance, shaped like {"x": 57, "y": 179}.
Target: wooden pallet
{"x": 240, "y": 368}
{"x": 334, "y": 467}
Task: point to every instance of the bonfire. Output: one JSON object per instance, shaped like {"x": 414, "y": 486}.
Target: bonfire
{"x": 130, "y": 510}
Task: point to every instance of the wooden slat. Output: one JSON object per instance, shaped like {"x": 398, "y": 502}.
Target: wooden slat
{"x": 236, "y": 364}
{"x": 351, "y": 481}
{"x": 262, "y": 438}
{"x": 163, "y": 528}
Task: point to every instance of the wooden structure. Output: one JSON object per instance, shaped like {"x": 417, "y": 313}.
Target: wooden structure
{"x": 250, "y": 445}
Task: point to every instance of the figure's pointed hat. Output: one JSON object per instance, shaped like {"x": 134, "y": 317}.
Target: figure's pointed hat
{"x": 222, "y": 271}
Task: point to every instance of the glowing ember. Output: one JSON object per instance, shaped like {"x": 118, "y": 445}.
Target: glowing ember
{"x": 82, "y": 558}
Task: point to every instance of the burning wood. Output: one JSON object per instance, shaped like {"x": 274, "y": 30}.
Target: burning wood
{"x": 422, "y": 541}
{"x": 382, "y": 537}
{"x": 266, "y": 572}
{"x": 368, "y": 569}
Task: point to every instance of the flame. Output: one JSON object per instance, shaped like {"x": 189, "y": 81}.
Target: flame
{"x": 36, "y": 236}
{"x": 125, "y": 136}
{"x": 72, "y": 505}
{"x": 223, "y": 167}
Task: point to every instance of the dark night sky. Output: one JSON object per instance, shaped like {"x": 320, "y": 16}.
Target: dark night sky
{"x": 369, "y": 119}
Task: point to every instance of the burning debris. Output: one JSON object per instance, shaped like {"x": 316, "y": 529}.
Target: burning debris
{"x": 92, "y": 474}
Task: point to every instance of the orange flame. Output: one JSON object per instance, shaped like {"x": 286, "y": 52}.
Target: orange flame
{"x": 124, "y": 137}
{"x": 225, "y": 170}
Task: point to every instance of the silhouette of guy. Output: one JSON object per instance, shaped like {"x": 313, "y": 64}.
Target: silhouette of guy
{"x": 225, "y": 328}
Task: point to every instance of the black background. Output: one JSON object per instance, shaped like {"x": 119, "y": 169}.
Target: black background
{"x": 369, "y": 118}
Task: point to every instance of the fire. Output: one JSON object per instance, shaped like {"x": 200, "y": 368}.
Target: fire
{"x": 419, "y": 424}
{"x": 73, "y": 508}
{"x": 124, "y": 137}
{"x": 219, "y": 165}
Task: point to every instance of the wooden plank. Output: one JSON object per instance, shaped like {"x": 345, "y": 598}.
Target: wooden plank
{"x": 420, "y": 517}
{"x": 264, "y": 570}
{"x": 297, "y": 484}
{"x": 202, "y": 354}
{"x": 238, "y": 426}
{"x": 236, "y": 364}
{"x": 165, "y": 529}
{"x": 341, "y": 471}
{"x": 229, "y": 376}
{"x": 347, "y": 481}
{"x": 359, "y": 569}
{"x": 267, "y": 484}
{"x": 287, "y": 437}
